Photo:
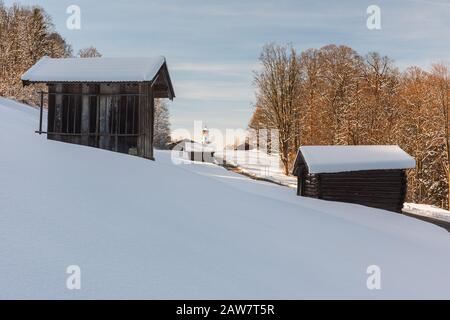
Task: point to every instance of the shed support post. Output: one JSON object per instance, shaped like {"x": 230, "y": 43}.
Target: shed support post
{"x": 41, "y": 111}
{"x": 151, "y": 103}
{"x": 141, "y": 127}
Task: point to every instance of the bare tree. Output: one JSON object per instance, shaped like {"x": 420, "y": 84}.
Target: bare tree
{"x": 418, "y": 136}
{"x": 309, "y": 115}
{"x": 278, "y": 90}
{"x": 380, "y": 85}
{"x": 341, "y": 76}
{"x": 89, "y": 52}
{"x": 441, "y": 88}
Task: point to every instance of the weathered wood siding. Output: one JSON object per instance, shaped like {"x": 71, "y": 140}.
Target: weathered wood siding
{"x": 308, "y": 184}
{"x": 384, "y": 189}
{"x": 107, "y": 110}
{"x": 117, "y": 117}
{"x": 146, "y": 121}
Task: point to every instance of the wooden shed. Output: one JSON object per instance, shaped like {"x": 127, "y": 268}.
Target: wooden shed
{"x": 198, "y": 152}
{"x": 373, "y": 176}
{"x": 106, "y": 103}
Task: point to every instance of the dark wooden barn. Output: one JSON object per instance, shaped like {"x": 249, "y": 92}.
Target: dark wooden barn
{"x": 373, "y": 176}
{"x": 108, "y": 103}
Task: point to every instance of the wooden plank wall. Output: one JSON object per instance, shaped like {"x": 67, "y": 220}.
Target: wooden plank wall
{"x": 107, "y": 109}
{"x": 146, "y": 121}
{"x": 54, "y": 115}
{"x": 311, "y": 185}
{"x": 107, "y": 116}
{"x": 85, "y": 115}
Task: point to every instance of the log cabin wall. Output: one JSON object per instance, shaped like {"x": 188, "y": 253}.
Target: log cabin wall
{"x": 309, "y": 185}
{"x": 384, "y": 189}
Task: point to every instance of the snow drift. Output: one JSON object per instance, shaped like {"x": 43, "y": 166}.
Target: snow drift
{"x": 143, "y": 229}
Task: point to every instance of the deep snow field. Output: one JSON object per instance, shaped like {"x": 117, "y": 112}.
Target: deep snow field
{"x": 143, "y": 229}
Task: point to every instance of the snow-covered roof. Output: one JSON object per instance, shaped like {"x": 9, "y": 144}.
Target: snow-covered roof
{"x": 332, "y": 159}
{"x": 94, "y": 69}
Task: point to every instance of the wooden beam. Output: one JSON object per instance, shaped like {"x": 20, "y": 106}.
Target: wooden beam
{"x": 41, "y": 111}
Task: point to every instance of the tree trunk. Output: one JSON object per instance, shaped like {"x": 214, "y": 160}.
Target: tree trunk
{"x": 448, "y": 187}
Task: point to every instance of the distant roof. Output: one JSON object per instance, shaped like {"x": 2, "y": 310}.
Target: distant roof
{"x": 198, "y": 147}
{"x": 94, "y": 70}
{"x": 332, "y": 159}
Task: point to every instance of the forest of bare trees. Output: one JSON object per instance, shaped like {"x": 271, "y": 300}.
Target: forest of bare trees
{"x": 335, "y": 96}
{"x": 26, "y": 35}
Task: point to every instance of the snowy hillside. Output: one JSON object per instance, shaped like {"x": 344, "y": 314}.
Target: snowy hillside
{"x": 143, "y": 229}
{"x": 259, "y": 164}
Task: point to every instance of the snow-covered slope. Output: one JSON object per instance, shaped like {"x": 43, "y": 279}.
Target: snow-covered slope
{"x": 259, "y": 164}
{"x": 143, "y": 229}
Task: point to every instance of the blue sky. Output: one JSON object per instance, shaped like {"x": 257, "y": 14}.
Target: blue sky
{"x": 212, "y": 47}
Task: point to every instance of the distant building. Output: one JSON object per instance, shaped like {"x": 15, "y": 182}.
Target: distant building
{"x": 205, "y": 135}
{"x": 106, "y": 103}
{"x": 369, "y": 175}
{"x": 199, "y": 151}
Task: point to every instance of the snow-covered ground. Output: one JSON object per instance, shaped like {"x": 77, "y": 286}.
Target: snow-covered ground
{"x": 259, "y": 164}
{"x": 428, "y": 211}
{"x": 143, "y": 229}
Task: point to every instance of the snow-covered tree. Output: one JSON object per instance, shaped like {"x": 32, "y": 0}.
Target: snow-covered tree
{"x": 162, "y": 125}
{"x": 278, "y": 90}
